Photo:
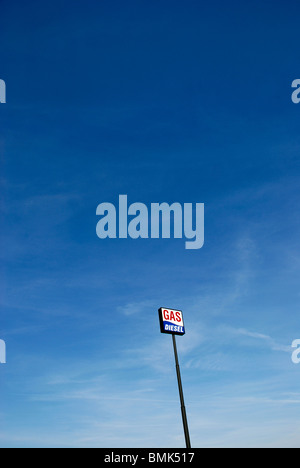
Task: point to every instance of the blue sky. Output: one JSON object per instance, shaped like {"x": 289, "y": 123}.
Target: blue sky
{"x": 165, "y": 102}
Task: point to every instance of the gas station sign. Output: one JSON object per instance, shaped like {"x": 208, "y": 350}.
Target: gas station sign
{"x": 171, "y": 321}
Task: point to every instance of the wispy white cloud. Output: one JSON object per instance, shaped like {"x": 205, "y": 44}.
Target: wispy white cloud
{"x": 134, "y": 308}
{"x": 257, "y": 338}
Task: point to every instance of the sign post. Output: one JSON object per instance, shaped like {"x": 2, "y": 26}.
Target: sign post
{"x": 171, "y": 322}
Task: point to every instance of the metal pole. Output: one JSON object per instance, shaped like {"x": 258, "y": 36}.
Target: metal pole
{"x": 183, "y": 412}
